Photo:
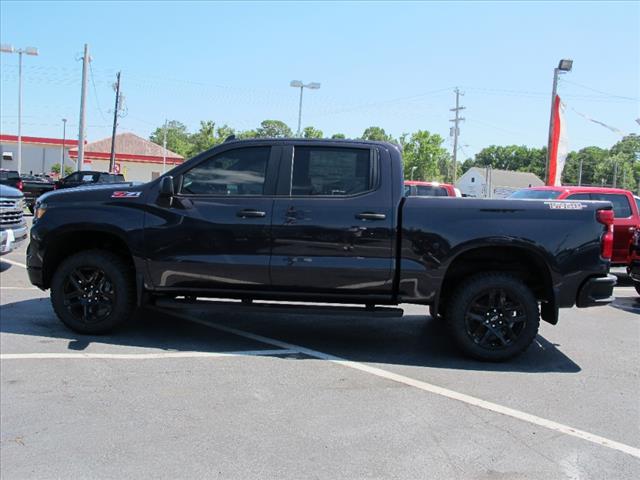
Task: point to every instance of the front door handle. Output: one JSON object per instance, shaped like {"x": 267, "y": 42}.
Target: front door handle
{"x": 250, "y": 213}
{"x": 371, "y": 216}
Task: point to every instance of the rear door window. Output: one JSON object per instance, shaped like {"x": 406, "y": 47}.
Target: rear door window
{"x": 621, "y": 207}
{"x": 330, "y": 171}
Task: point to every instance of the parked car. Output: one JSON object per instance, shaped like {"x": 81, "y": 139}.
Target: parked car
{"x": 32, "y": 187}
{"x": 626, "y": 209}
{"x": 318, "y": 221}
{"x": 633, "y": 262}
{"x": 87, "y": 177}
{"x": 415, "y": 188}
{"x": 11, "y": 178}
{"x": 13, "y": 228}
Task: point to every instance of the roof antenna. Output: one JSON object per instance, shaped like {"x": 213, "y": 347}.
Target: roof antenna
{"x": 230, "y": 138}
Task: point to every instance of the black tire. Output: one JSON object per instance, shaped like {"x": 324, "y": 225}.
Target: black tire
{"x": 493, "y": 317}
{"x": 31, "y": 208}
{"x": 637, "y": 285}
{"x": 93, "y": 292}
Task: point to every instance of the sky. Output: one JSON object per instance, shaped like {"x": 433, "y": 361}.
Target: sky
{"x": 390, "y": 64}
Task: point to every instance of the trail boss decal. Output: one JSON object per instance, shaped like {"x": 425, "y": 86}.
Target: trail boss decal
{"x": 121, "y": 194}
{"x": 566, "y": 205}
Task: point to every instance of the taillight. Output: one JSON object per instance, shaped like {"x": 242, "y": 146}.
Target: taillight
{"x": 605, "y": 217}
{"x": 19, "y": 185}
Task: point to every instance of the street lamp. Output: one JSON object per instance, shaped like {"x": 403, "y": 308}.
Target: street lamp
{"x": 563, "y": 67}
{"x": 5, "y": 48}
{"x": 302, "y": 86}
{"x": 64, "y": 139}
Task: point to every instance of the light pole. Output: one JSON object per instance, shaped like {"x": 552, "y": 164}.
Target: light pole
{"x": 302, "y": 86}
{"x": 29, "y": 51}
{"x": 64, "y": 139}
{"x": 564, "y": 66}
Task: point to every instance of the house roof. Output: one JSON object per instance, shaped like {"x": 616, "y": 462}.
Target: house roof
{"x": 131, "y": 147}
{"x": 509, "y": 178}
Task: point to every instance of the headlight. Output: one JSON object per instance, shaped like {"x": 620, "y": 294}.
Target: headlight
{"x": 41, "y": 209}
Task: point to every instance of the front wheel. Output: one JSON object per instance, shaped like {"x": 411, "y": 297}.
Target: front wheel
{"x": 93, "y": 291}
{"x": 493, "y": 317}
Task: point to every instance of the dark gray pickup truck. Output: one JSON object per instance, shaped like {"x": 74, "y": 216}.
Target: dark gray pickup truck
{"x": 319, "y": 221}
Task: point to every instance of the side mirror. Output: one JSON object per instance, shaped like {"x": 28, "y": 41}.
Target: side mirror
{"x": 166, "y": 187}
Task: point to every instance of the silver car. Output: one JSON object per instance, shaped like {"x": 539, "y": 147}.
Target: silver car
{"x": 13, "y": 228}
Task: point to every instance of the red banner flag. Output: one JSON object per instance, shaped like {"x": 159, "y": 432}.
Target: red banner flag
{"x": 559, "y": 144}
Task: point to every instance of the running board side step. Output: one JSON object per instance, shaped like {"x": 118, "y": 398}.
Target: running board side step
{"x": 285, "y": 308}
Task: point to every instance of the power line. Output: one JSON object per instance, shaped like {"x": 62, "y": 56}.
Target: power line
{"x": 635, "y": 99}
{"x": 95, "y": 93}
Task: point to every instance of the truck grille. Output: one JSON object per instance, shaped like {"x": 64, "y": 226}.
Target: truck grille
{"x": 10, "y": 211}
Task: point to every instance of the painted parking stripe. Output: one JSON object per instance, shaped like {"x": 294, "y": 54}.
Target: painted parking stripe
{"x": 11, "y": 262}
{"x": 19, "y": 288}
{"x": 428, "y": 387}
{"x": 142, "y": 356}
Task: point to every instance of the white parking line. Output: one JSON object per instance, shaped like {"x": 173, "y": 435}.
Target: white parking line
{"x": 19, "y": 288}
{"x": 428, "y": 387}
{"x": 11, "y": 262}
{"x": 142, "y": 356}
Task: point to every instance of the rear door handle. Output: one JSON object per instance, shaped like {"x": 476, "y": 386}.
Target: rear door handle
{"x": 370, "y": 216}
{"x": 249, "y": 213}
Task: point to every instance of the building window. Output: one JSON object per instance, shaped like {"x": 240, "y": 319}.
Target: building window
{"x": 473, "y": 179}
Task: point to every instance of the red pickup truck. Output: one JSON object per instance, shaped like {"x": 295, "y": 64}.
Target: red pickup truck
{"x": 626, "y": 208}
{"x": 418, "y": 188}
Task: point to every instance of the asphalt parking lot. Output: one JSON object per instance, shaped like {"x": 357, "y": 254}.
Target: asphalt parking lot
{"x": 225, "y": 393}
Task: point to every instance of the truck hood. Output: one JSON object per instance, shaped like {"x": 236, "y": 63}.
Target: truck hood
{"x": 100, "y": 188}
{"x": 10, "y": 192}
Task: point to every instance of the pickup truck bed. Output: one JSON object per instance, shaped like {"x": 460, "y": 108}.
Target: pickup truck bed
{"x": 320, "y": 221}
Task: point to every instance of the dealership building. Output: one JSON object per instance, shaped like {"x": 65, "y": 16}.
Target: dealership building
{"x": 136, "y": 158}
{"x": 39, "y": 154}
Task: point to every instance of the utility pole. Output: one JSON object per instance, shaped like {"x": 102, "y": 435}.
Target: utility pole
{"x": 456, "y": 131}
{"x": 64, "y": 139}
{"x": 164, "y": 148}
{"x": 83, "y": 102}
{"x": 580, "y": 173}
{"x": 615, "y": 173}
{"x": 112, "y": 158}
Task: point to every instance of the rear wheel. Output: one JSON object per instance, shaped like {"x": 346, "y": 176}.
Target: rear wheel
{"x": 93, "y": 291}
{"x": 493, "y": 316}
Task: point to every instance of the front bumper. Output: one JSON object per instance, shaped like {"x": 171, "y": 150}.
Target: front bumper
{"x": 11, "y": 238}
{"x": 596, "y": 291}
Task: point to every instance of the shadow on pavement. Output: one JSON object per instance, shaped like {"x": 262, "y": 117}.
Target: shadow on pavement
{"x": 4, "y": 266}
{"x": 413, "y": 340}
{"x": 628, "y": 304}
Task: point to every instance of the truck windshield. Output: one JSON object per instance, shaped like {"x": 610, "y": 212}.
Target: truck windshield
{"x": 536, "y": 194}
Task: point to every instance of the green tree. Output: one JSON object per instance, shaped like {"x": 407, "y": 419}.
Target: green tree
{"x": 273, "y": 129}
{"x": 377, "y": 134}
{"x": 511, "y": 157}
{"x": 337, "y": 136}
{"x": 311, "y": 132}
{"x": 424, "y": 151}
{"x": 177, "y": 138}
{"x": 68, "y": 169}
{"x": 591, "y": 158}
{"x": 209, "y": 136}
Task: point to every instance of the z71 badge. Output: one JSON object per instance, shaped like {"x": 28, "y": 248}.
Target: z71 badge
{"x": 123, "y": 194}
{"x": 566, "y": 205}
